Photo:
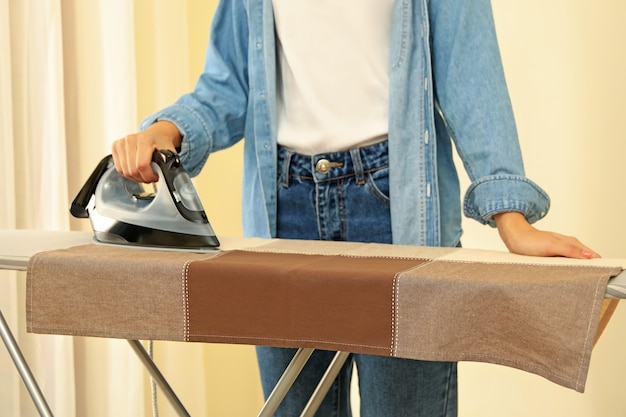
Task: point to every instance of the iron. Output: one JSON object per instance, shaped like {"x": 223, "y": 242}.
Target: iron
{"x": 167, "y": 214}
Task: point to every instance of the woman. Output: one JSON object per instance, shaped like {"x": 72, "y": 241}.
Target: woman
{"x": 349, "y": 110}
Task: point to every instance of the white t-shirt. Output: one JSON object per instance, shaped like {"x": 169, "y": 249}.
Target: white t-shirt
{"x": 333, "y": 72}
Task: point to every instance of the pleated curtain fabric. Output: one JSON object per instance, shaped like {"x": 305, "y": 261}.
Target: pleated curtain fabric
{"x": 40, "y": 84}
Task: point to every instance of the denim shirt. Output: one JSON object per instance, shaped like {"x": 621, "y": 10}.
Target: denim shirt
{"x": 446, "y": 86}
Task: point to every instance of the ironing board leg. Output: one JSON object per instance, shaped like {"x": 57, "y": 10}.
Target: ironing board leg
{"x": 324, "y": 385}
{"x": 23, "y": 369}
{"x": 285, "y": 382}
{"x": 158, "y": 377}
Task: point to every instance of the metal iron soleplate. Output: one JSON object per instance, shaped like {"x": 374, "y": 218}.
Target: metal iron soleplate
{"x": 157, "y": 248}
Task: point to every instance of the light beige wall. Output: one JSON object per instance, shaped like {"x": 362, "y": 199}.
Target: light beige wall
{"x": 565, "y": 67}
{"x": 565, "y": 64}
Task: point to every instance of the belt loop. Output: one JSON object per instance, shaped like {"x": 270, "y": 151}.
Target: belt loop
{"x": 286, "y": 165}
{"x": 355, "y": 153}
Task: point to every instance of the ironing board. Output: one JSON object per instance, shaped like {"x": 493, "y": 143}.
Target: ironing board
{"x": 25, "y": 244}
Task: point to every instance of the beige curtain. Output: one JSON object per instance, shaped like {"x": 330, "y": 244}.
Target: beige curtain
{"x": 35, "y": 71}
{"x": 34, "y": 179}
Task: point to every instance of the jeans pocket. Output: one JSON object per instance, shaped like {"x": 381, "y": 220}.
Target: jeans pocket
{"x": 377, "y": 183}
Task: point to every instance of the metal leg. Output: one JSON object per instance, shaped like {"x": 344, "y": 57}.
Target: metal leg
{"x": 23, "y": 369}
{"x": 325, "y": 383}
{"x": 157, "y": 376}
{"x": 285, "y": 382}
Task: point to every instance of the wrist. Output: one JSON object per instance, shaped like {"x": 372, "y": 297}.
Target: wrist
{"x": 511, "y": 225}
{"x": 167, "y": 130}
{"x": 509, "y": 219}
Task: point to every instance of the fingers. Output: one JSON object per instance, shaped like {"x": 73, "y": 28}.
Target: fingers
{"x": 522, "y": 238}
{"x": 542, "y": 243}
{"x": 132, "y": 156}
{"x": 571, "y": 247}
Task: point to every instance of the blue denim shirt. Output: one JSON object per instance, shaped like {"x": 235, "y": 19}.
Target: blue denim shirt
{"x": 446, "y": 85}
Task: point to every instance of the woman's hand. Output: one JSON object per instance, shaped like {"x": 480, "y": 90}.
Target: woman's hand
{"x": 522, "y": 238}
{"x": 132, "y": 154}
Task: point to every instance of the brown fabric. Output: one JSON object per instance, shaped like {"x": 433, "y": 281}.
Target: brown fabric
{"x": 542, "y": 319}
{"x": 294, "y": 300}
{"x": 96, "y": 290}
{"x": 417, "y": 304}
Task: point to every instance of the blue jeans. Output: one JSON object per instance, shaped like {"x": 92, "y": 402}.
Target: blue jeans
{"x": 345, "y": 196}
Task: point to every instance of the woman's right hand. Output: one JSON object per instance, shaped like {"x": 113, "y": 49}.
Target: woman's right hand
{"x": 132, "y": 154}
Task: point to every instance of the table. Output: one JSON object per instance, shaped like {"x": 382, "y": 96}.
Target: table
{"x": 25, "y": 244}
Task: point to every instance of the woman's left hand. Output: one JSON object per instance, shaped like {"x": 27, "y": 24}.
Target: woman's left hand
{"x": 522, "y": 238}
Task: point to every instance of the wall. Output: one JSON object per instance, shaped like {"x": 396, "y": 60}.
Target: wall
{"x": 564, "y": 64}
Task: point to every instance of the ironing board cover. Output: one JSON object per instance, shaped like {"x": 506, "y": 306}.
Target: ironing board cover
{"x": 445, "y": 304}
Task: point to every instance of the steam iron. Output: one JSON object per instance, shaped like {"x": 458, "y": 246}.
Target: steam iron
{"x": 166, "y": 215}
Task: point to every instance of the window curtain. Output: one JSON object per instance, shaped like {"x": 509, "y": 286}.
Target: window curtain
{"x": 69, "y": 86}
{"x": 39, "y": 85}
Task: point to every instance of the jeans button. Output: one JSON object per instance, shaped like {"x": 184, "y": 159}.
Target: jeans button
{"x": 322, "y": 166}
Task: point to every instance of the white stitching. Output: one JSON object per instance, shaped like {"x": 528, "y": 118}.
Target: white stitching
{"x": 394, "y": 312}
{"x": 185, "y": 290}
{"x": 589, "y": 324}
{"x": 396, "y": 304}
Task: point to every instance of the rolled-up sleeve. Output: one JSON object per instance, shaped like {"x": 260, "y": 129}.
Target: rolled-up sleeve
{"x": 473, "y": 98}
{"x": 502, "y": 193}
